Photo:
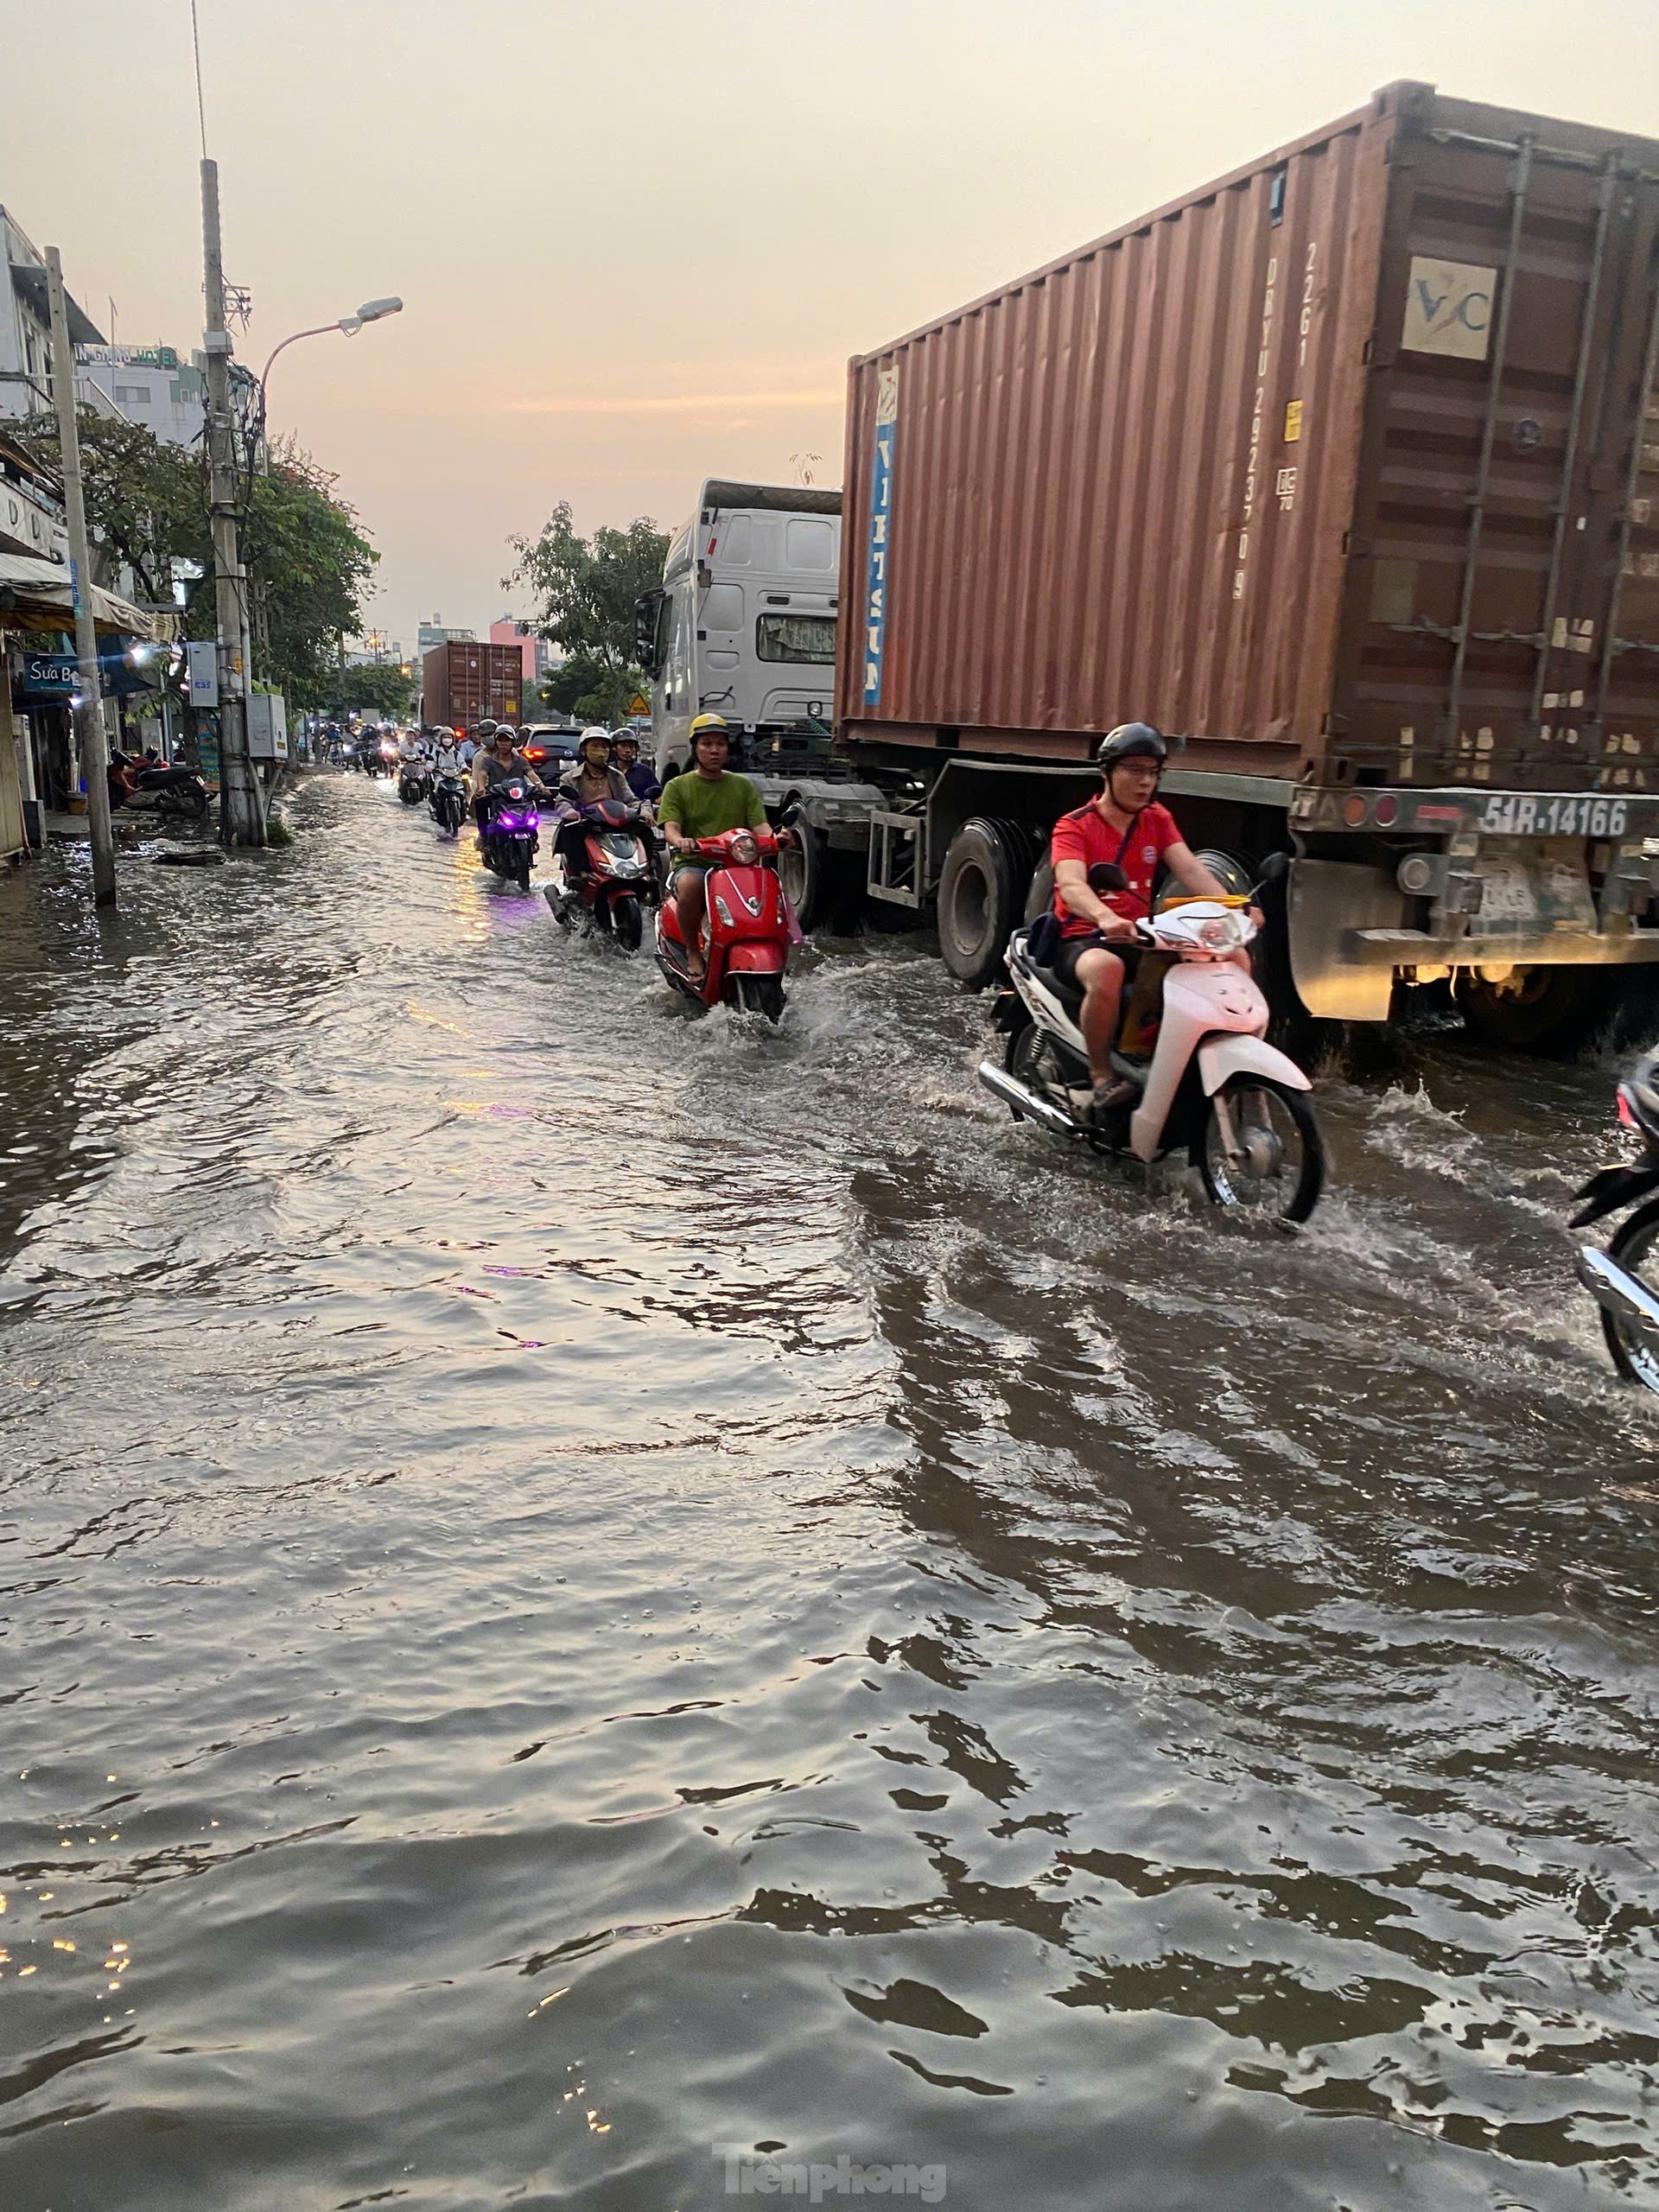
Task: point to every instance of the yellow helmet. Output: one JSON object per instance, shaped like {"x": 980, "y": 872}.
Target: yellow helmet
{"x": 708, "y": 722}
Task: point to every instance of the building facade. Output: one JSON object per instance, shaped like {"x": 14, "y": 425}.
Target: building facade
{"x": 26, "y": 327}
{"x": 431, "y": 633}
{"x": 148, "y": 385}
{"x": 536, "y": 652}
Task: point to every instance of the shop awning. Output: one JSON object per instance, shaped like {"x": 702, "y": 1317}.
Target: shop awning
{"x": 41, "y": 588}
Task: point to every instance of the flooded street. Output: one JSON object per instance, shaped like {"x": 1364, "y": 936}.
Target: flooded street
{"x": 582, "y": 1587}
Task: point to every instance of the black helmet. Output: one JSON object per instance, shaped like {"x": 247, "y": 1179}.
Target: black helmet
{"x": 1131, "y": 742}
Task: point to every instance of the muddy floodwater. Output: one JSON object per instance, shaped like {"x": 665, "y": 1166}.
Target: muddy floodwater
{"x": 599, "y": 1605}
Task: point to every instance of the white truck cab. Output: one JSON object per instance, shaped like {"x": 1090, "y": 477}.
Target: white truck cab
{"x": 743, "y": 624}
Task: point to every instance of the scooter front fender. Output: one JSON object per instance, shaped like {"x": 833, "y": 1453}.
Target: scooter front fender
{"x": 1232, "y": 1054}
{"x": 755, "y": 956}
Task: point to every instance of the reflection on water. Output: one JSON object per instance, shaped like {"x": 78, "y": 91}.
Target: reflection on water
{"x": 583, "y": 1586}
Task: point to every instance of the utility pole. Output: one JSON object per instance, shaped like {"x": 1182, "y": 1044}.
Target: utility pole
{"x": 241, "y": 799}
{"x": 89, "y": 715}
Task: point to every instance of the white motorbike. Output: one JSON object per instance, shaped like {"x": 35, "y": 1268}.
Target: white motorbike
{"x": 1193, "y": 1041}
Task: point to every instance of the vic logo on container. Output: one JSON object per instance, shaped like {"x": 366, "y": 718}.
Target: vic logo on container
{"x": 875, "y": 594}
{"x": 1473, "y": 309}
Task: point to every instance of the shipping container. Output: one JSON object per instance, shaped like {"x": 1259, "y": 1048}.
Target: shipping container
{"x": 1344, "y": 469}
{"x": 465, "y": 684}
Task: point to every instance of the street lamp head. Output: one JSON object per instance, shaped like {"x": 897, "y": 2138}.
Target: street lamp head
{"x": 373, "y": 310}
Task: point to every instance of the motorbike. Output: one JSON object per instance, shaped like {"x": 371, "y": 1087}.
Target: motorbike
{"x": 605, "y": 892}
{"x": 1193, "y": 1041}
{"x": 508, "y": 841}
{"x": 1618, "y": 1278}
{"x": 749, "y": 925}
{"x": 447, "y": 802}
{"x": 171, "y": 794}
{"x": 414, "y": 782}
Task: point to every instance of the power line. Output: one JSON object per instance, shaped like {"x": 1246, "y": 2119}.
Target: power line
{"x": 202, "y": 111}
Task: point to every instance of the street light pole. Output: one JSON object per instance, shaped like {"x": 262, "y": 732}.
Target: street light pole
{"x": 241, "y": 799}
{"x": 89, "y": 712}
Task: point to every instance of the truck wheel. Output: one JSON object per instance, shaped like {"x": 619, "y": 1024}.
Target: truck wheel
{"x": 1555, "y": 1011}
{"x": 802, "y": 869}
{"x": 1040, "y": 897}
{"x": 982, "y": 894}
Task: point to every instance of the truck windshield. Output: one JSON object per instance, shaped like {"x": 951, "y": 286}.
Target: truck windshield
{"x": 796, "y": 636}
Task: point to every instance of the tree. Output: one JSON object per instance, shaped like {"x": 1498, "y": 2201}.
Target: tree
{"x": 311, "y": 566}
{"x": 147, "y": 505}
{"x": 379, "y": 684}
{"x": 585, "y": 591}
{"x": 578, "y": 684}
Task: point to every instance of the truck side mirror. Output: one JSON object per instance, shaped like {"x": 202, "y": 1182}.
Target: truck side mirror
{"x": 644, "y": 632}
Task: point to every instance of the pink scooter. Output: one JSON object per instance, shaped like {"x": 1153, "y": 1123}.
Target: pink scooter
{"x": 1211, "y": 1084}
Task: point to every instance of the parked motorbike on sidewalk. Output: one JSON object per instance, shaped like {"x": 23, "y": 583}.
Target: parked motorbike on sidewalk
{"x": 601, "y": 871}
{"x": 171, "y": 793}
{"x": 508, "y": 840}
{"x": 1624, "y": 1280}
{"x": 447, "y": 803}
{"x": 748, "y": 926}
{"x": 1206, "y": 1082}
{"x": 414, "y": 782}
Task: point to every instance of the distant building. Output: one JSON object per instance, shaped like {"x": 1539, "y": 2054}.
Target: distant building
{"x": 537, "y": 653}
{"x": 147, "y": 384}
{"x": 431, "y": 633}
{"x": 26, "y": 328}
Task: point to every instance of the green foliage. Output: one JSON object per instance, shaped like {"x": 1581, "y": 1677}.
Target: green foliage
{"x": 583, "y": 685}
{"x": 381, "y": 685}
{"x": 147, "y": 503}
{"x": 585, "y": 591}
{"x": 310, "y": 565}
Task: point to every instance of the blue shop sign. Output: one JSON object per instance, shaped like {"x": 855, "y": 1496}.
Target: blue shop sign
{"x": 49, "y": 679}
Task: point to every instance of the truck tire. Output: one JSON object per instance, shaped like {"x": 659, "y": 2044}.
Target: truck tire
{"x": 1554, "y": 1011}
{"x": 982, "y": 895}
{"x": 1040, "y": 897}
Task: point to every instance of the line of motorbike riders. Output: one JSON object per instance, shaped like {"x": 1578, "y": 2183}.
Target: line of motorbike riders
{"x": 489, "y": 756}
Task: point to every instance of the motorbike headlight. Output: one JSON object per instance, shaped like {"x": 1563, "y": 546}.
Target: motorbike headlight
{"x": 1221, "y": 933}
{"x": 745, "y": 851}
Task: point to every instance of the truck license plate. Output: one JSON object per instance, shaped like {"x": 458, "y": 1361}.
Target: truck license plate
{"x": 1539, "y": 814}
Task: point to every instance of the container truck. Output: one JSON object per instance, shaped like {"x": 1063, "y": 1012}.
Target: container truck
{"x": 465, "y": 684}
{"x": 744, "y": 624}
{"x": 1346, "y": 470}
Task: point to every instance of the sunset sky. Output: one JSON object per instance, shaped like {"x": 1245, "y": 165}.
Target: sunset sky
{"x": 637, "y": 242}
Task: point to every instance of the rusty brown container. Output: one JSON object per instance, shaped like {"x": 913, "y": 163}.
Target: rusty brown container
{"x": 1345, "y": 465}
{"x": 463, "y": 684}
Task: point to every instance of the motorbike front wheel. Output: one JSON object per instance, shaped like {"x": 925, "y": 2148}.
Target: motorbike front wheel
{"x": 521, "y": 864}
{"x": 1278, "y": 1170}
{"x": 1634, "y": 1356}
{"x": 625, "y": 924}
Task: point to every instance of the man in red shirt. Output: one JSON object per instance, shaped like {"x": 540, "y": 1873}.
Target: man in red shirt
{"x": 1098, "y": 948}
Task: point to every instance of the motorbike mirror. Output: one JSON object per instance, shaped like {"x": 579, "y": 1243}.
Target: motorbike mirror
{"x": 1274, "y": 868}
{"x": 1106, "y": 875}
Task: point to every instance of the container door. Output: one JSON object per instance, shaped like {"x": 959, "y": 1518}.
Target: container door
{"x": 1499, "y": 622}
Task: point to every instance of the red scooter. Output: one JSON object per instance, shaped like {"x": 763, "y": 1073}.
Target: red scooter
{"x": 601, "y": 884}
{"x": 748, "y": 927}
